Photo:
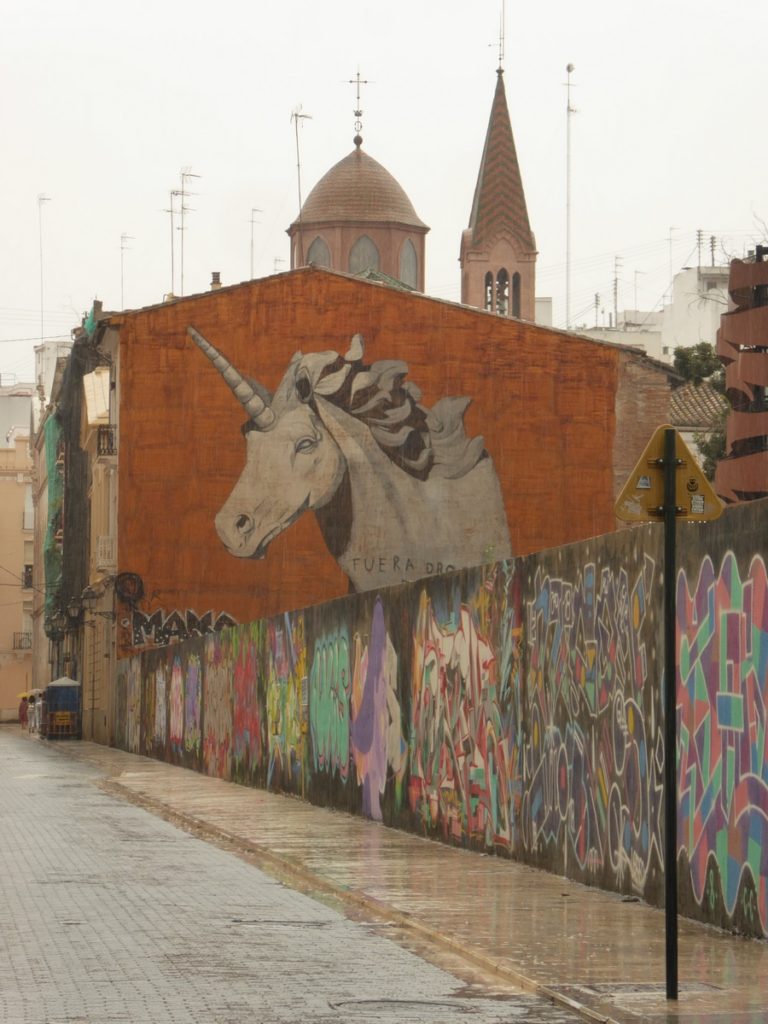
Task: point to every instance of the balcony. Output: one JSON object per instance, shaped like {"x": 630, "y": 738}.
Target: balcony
{"x": 26, "y": 577}
{"x": 106, "y": 440}
{"x": 22, "y": 641}
{"x": 106, "y": 553}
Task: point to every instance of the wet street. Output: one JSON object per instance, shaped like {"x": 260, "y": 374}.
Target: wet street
{"x": 109, "y": 913}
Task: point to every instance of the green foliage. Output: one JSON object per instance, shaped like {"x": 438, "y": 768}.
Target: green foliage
{"x": 700, "y": 362}
{"x": 712, "y": 445}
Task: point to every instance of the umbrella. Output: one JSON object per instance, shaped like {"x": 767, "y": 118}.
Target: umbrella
{"x": 64, "y": 681}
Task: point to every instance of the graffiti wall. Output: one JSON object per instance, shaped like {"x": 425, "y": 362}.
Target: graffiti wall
{"x": 514, "y": 709}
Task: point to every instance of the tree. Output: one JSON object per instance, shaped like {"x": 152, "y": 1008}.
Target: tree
{"x": 698, "y": 363}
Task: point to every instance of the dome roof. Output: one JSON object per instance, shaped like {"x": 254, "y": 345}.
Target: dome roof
{"x": 357, "y": 189}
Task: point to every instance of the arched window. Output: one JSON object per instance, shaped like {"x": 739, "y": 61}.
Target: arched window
{"x": 488, "y": 292}
{"x": 516, "y": 295}
{"x": 319, "y": 253}
{"x": 409, "y": 264}
{"x": 363, "y": 256}
{"x": 502, "y": 293}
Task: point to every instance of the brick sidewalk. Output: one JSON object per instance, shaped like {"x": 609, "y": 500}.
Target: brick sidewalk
{"x": 577, "y": 945}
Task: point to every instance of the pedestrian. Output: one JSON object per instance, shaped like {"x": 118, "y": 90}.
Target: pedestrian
{"x": 23, "y": 712}
{"x": 31, "y": 709}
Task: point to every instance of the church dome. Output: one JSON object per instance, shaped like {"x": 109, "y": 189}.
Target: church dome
{"x": 359, "y": 189}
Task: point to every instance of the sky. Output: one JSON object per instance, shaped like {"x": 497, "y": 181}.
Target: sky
{"x": 106, "y": 102}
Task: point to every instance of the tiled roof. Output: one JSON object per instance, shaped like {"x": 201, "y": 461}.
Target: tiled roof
{"x": 696, "y": 405}
{"x": 499, "y": 201}
{"x": 358, "y": 188}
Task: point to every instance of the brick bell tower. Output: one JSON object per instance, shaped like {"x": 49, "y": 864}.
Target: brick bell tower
{"x": 498, "y": 250}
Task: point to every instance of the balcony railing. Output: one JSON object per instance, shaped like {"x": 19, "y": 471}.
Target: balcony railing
{"x": 106, "y": 553}
{"x": 22, "y": 641}
{"x": 106, "y": 440}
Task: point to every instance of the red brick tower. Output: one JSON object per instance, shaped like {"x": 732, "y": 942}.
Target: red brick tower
{"x": 498, "y": 250}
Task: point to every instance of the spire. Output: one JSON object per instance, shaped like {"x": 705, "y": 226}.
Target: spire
{"x": 499, "y": 204}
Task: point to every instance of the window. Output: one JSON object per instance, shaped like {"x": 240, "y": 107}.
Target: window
{"x": 488, "y": 292}
{"x": 363, "y": 256}
{"x": 502, "y": 293}
{"x": 516, "y": 294}
{"x": 409, "y": 264}
{"x": 319, "y": 253}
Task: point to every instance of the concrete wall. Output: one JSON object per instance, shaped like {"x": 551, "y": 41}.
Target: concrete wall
{"x": 514, "y": 709}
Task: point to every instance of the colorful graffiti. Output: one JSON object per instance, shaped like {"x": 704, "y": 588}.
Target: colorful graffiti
{"x": 592, "y": 780}
{"x": 217, "y": 702}
{"x": 459, "y": 753}
{"x": 376, "y": 730}
{"x": 193, "y": 683}
{"x": 723, "y": 741}
{"x": 286, "y": 682}
{"x": 514, "y": 709}
{"x": 330, "y": 685}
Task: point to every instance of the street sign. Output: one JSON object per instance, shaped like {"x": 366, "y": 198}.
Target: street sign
{"x": 642, "y": 497}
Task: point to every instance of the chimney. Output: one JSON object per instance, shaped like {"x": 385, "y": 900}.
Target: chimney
{"x": 215, "y": 280}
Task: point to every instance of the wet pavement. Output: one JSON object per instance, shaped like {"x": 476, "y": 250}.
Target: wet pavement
{"x": 579, "y": 947}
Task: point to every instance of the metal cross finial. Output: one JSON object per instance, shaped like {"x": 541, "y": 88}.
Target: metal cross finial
{"x": 357, "y": 81}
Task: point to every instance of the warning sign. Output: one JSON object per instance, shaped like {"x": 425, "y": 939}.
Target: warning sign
{"x": 642, "y": 497}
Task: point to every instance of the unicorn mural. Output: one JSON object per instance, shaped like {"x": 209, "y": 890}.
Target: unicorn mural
{"x": 399, "y": 490}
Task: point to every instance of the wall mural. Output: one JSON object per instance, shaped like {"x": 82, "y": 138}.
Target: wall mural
{"x": 396, "y": 487}
{"x": 515, "y": 709}
{"x": 723, "y": 820}
{"x": 160, "y": 627}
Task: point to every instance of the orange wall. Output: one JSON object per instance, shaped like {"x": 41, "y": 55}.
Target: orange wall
{"x": 543, "y": 401}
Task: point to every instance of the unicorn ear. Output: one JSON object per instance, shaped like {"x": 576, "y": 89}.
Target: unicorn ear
{"x": 356, "y": 349}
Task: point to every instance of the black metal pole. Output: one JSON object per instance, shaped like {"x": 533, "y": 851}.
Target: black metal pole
{"x": 670, "y": 711}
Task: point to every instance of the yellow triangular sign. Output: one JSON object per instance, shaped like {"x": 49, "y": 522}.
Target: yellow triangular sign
{"x": 642, "y": 497}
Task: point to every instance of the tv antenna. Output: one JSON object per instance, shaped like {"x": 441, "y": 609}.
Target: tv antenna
{"x": 185, "y": 174}
{"x": 41, "y": 199}
{"x": 254, "y": 209}
{"x": 124, "y": 239}
{"x": 570, "y": 111}
{"x": 296, "y": 116}
{"x": 173, "y": 194}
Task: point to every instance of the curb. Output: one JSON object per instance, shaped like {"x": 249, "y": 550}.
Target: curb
{"x": 371, "y": 906}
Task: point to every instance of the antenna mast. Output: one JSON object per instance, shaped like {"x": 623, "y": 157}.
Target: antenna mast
{"x": 42, "y": 198}
{"x": 186, "y": 174}
{"x": 123, "y": 239}
{"x": 570, "y": 111}
{"x": 297, "y": 116}
{"x": 254, "y": 209}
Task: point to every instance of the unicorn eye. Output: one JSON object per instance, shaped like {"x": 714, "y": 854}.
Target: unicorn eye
{"x": 306, "y": 444}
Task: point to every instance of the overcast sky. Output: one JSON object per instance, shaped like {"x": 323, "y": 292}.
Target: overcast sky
{"x": 104, "y": 102}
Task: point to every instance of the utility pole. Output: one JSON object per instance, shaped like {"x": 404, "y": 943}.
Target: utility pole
{"x": 671, "y": 272}
{"x": 712, "y": 243}
{"x": 186, "y": 174}
{"x": 42, "y": 198}
{"x": 570, "y": 111}
{"x": 699, "y": 240}
{"x": 597, "y": 309}
{"x": 253, "y": 221}
{"x": 123, "y": 246}
{"x": 297, "y": 116}
{"x": 616, "y": 269}
{"x": 636, "y": 273}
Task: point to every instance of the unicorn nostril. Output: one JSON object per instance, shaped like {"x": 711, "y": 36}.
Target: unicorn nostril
{"x": 243, "y": 524}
